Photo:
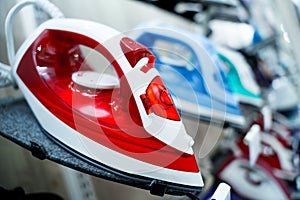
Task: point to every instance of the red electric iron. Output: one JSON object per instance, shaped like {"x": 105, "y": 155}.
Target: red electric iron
{"x": 263, "y": 164}
{"x": 96, "y": 92}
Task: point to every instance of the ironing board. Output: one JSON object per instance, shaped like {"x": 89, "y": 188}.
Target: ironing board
{"x": 19, "y": 125}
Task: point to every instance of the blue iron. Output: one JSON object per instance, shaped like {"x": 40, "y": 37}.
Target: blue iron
{"x": 192, "y": 71}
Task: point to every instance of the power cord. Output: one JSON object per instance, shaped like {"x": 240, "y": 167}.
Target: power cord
{"x": 45, "y": 5}
{"x": 5, "y": 75}
{"x": 6, "y": 78}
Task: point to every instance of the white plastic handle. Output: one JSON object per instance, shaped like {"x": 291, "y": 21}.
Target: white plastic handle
{"x": 267, "y": 115}
{"x": 222, "y": 192}
{"x": 253, "y": 140}
{"x": 45, "y": 5}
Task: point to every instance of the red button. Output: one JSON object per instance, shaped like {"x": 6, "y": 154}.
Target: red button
{"x": 166, "y": 98}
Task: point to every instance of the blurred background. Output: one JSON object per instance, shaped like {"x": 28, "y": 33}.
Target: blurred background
{"x": 272, "y": 54}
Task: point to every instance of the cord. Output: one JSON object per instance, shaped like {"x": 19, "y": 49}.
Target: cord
{"x": 45, "y": 5}
{"x": 5, "y": 75}
{"x": 5, "y": 70}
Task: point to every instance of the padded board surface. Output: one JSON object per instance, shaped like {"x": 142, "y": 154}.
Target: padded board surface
{"x": 19, "y": 125}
